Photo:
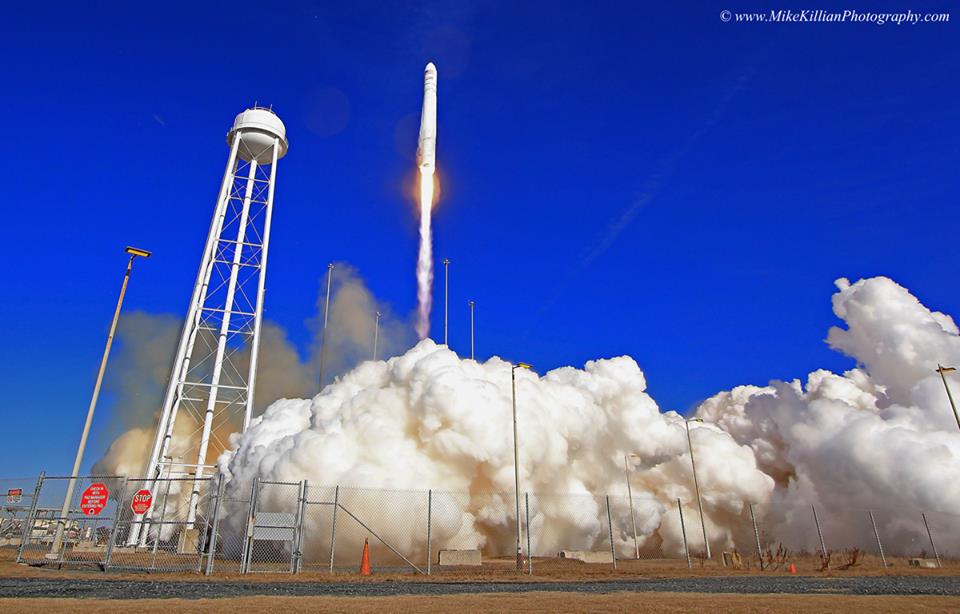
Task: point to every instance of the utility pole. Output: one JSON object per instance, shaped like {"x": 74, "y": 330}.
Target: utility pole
{"x": 78, "y": 460}
{"x": 472, "y": 305}
{"x": 696, "y": 486}
{"x": 516, "y": 456}
{"x": 326, "y": 317}
{"x": 942, "y": 370}
{"x": 446, "y": 298}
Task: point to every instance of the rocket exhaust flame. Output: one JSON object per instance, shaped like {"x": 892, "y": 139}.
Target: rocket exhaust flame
{"x": 426, "y": 161}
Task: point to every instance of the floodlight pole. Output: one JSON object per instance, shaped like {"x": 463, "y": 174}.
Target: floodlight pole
{"x": 696, "y": 486}
{"x": 472, "y": 305}
{"x": 633, "y": 517}
{"x": 323, "y": 331}
{"x": 446, "y": 299}
{"x": 516, "y": 457}
{"x": 942, "y": 370}
{"x": 78, "y": 460}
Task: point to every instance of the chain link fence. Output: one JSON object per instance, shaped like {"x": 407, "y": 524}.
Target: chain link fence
{"x": 16, "y": 500}
{"x": 70, "y": 521}
{"x": 164, "y": 524}
{"x": 208, "y": 525}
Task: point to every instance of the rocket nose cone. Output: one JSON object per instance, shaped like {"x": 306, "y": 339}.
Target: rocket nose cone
{"x": 430, "y": 68}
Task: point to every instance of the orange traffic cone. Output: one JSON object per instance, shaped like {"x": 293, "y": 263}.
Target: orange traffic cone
{"x": 792, "y": 568}
{"x": 365, "y": 559}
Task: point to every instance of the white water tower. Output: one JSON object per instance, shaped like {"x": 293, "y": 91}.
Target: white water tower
{"x": 211, "y": 387}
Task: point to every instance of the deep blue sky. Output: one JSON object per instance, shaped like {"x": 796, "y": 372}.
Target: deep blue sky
{"x": 616, "y": 178}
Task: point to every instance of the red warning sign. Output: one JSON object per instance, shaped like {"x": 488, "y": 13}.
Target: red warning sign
{"x": 141, "y": 501}
{"x": 94, "y": 499}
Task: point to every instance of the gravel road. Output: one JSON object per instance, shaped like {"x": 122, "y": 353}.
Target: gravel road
{"x": 158, "y": 589}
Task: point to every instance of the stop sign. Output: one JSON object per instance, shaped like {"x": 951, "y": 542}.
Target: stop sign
{"x": 94, "y": 499}
{"x": 141, "y": 501}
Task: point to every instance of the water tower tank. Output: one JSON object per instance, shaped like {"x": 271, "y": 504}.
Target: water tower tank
{"x": 257, "y": 129}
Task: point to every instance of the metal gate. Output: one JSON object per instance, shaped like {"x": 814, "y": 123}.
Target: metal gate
{"x": 274, "y": 528}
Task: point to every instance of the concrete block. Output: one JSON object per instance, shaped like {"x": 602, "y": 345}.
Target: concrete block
{"x": 87, "y": 545}
{"x": 189, "y": 541}
{"x": 926, "y": 563}
{"x": 459, "y": 557}
{"x": 588, "y": 556}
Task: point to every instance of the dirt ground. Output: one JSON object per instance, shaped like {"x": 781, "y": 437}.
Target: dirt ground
{"x": 504, "y": 570}
{"x": 533, "y": 602}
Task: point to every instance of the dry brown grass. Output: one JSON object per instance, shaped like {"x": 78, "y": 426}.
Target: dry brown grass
{"x": 503, "y": 570}
{"x": 531, "y": 602}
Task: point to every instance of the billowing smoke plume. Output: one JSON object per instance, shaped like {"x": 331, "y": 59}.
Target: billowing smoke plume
{"x": 878, "y": 438}
{"x": 430, "y": 418}
{"x": 148, "y": 344}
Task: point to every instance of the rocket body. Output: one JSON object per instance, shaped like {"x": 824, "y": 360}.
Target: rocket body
{"x": 427, "y": 143}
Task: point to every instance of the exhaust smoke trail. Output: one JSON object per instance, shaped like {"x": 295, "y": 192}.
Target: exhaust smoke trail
{"x": 426, "y": 161}
{"x": 425, "y": 258}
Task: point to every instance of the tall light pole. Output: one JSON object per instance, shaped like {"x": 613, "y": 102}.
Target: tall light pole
{"x": 942, "y": 370}
{"x": 376, "y": 335}
{"x": 472, "y": 305}
{"x": 696, "y": 486}
{"x": 446, "y": 297}
{"x": 633, "y": 518}
{"x": 65, "y": 511}
{"x": 516, "y": 456}
{"x": 326, "y": 317}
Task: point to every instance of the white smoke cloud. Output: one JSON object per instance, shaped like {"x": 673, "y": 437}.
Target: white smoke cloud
{"x": 428, "y": 418}
{"x": 878, "y": 437}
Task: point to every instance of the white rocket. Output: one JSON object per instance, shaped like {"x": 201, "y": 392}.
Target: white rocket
{"x": 427, "y": 143}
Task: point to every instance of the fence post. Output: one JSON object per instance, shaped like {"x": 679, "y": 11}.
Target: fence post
{"x": 823, "y": 547}
{"x": 526, "y": 499}
{"x": 932, "y": 545}
{"x": 163, "y": 512}
{"x": 883, "y": 557}
{"x": 251, "y": 521}
{"x": 108, "y": 555}
{"x": 296, "y": 563}
{"x": 756, "y": 534}
{"x": 28, "y": 525}
{"x": 429, "y": 527}
{"x": 613, "y": 552}
{"x": 633, "y": 517}
{"x": 683, "y": 530}
{"x": 215, "y": 529}
{"x": 333, "y": 531}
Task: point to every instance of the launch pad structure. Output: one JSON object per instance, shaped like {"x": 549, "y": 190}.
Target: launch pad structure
{"x": 210, "y": 392}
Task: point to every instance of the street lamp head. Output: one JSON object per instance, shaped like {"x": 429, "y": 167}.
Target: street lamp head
{"x": 446, "y": 261}
{"x": 942, "y": 369}
{"x": 330, "y": 266}
{"x": 136, "y": 251}
{"x": 522, "y": 365}
{"x": 694, "y": 419}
